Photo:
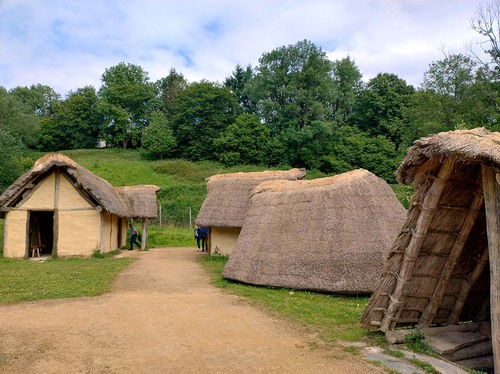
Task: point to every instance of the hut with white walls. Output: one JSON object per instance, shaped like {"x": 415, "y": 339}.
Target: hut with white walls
{"x": 226, "y": 204}
{"x": 59, "y": 208}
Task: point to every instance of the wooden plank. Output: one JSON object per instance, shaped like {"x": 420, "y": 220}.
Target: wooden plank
{"x": 55, "y": 231}
{"x": 491, "y": 190}
{"x": 485, "y": 362}
{"x": 398, "y": 336}
{"x": 429, "y": 313}
{"x": 449, "y": 342}
{"x": 465, "y": 288}
{"x": 144, "y": 234}
{"x": 473, "y": 351}
{"x": 102, "y": 236}
{"x": 411, "y": 253}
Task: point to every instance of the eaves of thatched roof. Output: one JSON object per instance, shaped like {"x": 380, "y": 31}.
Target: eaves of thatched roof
{"x": 97, "y": 188}
{"x": 140, "y": 201}
{"x": 469, "y": 146}
{"x": 228, "y": 195}
{"x": 329, "y": 234}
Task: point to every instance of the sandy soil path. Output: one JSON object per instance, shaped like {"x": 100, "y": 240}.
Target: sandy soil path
{"x": 162, "y": 316}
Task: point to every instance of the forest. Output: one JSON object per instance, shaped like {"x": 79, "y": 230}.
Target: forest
{"x": 295, "y": 108}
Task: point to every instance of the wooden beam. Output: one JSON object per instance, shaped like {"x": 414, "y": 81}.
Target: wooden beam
{"x": 144, "y": 234}
{"x": 429, "y": 312}
{"x": 491, "y": 190}
{"x": 465, "y": 288}
{"x": 411, "y": 253}
{"x": 102, "y": 236}
{"x": 57, "y": 186}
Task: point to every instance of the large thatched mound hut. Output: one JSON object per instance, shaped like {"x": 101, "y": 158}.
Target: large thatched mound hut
{"x": 328, "y": 234}
{"x": 226, "y": 204}
{"x": 60, "y": 208}
{"x": 444, "y": 268}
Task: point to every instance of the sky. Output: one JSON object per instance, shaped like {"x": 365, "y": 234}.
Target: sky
{"x": 68, "y": 44}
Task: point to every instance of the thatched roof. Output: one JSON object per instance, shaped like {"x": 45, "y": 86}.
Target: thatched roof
{"x": 140, "y": 201}
{"x": 470, "y": 146}
{"x": 437, "y": 269}
{"x": 329, "y": 234}
{"x": 228, "y": 195}
{"x": 99, "y": 190}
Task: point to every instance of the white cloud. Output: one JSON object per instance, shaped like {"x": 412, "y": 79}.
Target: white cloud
{"x": 69, "y": 44}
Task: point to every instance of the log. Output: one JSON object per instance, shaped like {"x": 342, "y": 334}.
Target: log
{"x": 398, "y": 336}
{"x": 464, "y": 327}
{"x": 491, "y": 191}
{"x": 430, "y": 312}
{"x": 411, "y": 252}
{"x": 485, "y": 362}
{"x": 449, "y": 342}
{"x": 477, "y": 350}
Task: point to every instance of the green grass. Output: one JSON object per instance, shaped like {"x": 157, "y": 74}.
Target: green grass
{"x": 171, "y": 236}
{"x": 332, "y": 317}
{"x": 22, "y": 280}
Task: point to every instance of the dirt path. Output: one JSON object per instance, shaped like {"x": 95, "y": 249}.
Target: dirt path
{"x": 162, "y": 316}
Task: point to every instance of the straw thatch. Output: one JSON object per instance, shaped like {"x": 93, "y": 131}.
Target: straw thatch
{"x": 140, "y": 201}
{"x": 226, "y": 203}
{"x": 98, "y": 190}
{"x": 329, "y": 234}
{"x": 437, "y": 271}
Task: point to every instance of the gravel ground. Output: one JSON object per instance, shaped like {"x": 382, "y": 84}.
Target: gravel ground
{"x": 162, "y": 316}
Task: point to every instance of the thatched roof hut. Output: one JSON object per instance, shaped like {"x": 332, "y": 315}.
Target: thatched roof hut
{"x": 103, "y": 193}
{"x": 444, "y": 268}
{"x": 328, "y": 234}
{"x": 227, "y": 201}
{"x": 140, "y": 201}
{"x": 60, "y": 205}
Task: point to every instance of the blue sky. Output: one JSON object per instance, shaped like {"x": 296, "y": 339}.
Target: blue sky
{"x": 67, "y": 44}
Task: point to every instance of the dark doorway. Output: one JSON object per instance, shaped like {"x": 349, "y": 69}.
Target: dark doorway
{"x": 41, "y": 232}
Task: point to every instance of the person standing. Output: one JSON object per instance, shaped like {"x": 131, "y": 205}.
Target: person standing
{"x": 204, "y": 239}
{"x": 197, "y": 235}
{"x": 133, "y": 237}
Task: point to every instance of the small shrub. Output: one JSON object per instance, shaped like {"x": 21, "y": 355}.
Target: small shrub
{"x": 415, "y": 342}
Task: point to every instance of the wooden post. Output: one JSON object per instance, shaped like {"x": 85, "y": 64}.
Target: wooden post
{"x": 55, "y": 230}
{"x": 144, "y": 234}
{"x": 411, "y": 252}
{"x": 465, "y": 288}
{"x": 491, "y": 189}
{"x": 102, "y": 236}
{"x": 429, "y": 312}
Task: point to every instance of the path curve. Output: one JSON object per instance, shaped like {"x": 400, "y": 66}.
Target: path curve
{"x": 162, "y": 316}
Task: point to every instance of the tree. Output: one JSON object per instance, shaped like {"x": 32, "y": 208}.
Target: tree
{"x": 425, "y": 114}
{"x": 487, "y": 24}
{"x": 169, "y": 89}
{"x": 354, "y": 149}
{"x": 348, "y": 85}
{"x": 75, "y": 123}
{"x": 246, "y": 141}
{"x": 204, "y": 111}
{"x": 293, "y": 87}
{"x": 18, "y": 119}
{"x": 379, "y": 109}
{"x": 158, "y": 139}
{"x": 39, "y": 98}
{"x": 237, "y": 83}
{"x": 453, "y": 76}
{"x": 11, "y": 166}
{"x": 128, "y": 99}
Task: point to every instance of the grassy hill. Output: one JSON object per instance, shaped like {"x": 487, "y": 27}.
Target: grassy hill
{"x": 183, "y": 186}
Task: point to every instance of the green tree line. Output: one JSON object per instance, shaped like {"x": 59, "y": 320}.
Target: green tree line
{"x": 295, "y": 108}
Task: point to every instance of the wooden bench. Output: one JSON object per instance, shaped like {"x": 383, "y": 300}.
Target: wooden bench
{"x": 35, "y": 250}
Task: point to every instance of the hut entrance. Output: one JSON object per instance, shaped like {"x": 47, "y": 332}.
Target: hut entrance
{"x": 41, "y": 233}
